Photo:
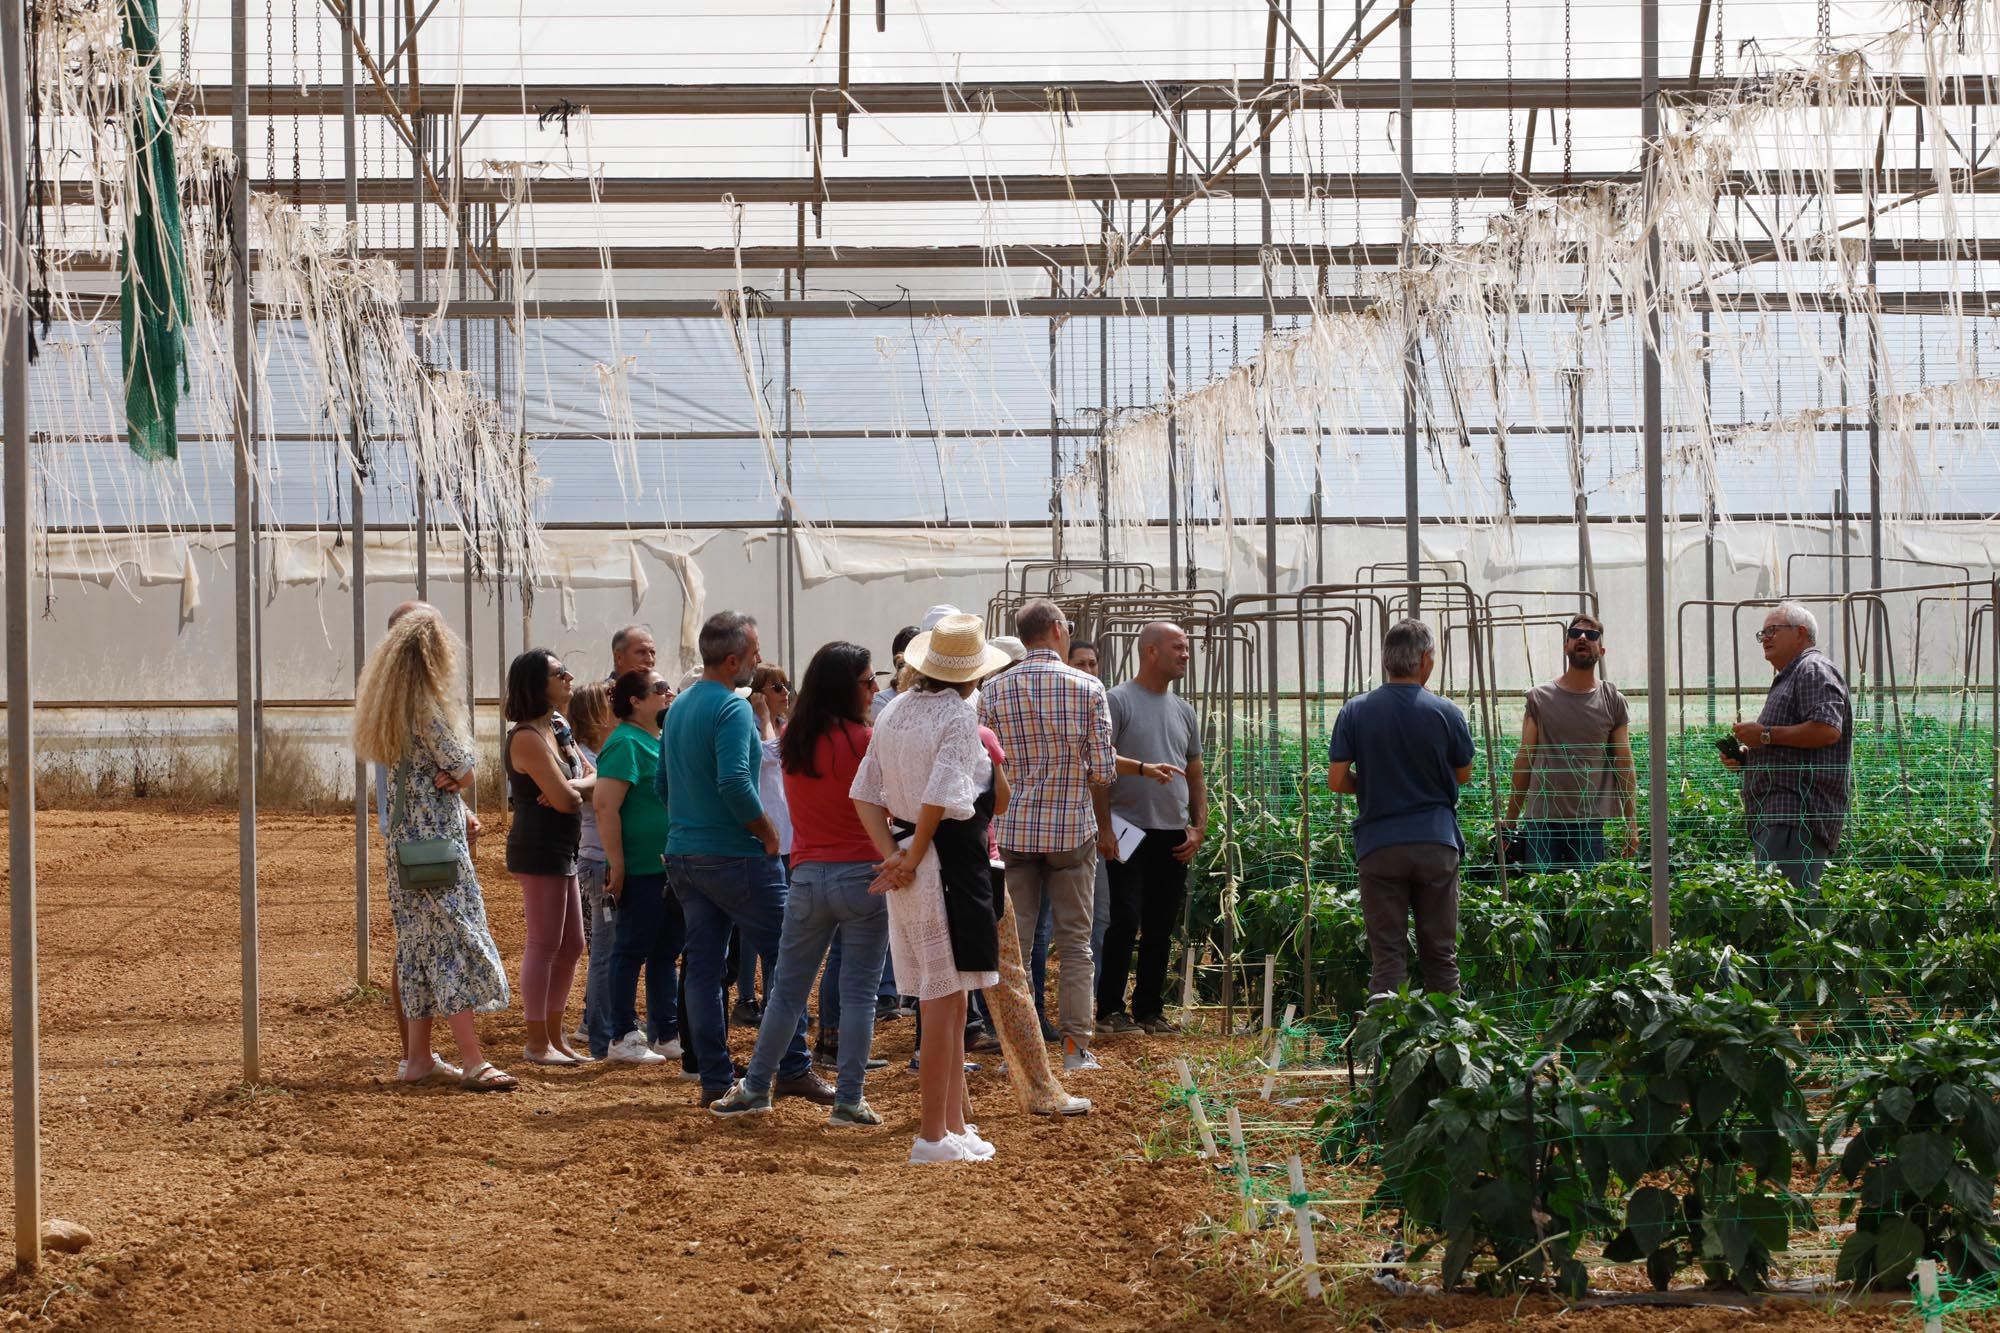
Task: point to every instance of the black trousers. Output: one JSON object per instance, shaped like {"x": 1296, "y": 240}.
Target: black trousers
{"x": 1146, "y": 893}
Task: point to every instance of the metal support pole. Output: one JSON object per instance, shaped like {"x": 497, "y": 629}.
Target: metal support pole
{"x": 1878, "y": 640}
{"x": 26, "y": 1010}
{"x": 1656, "y": 555}
{"x": 357, "y": 506}
{"x": 1708, "y": 514}
{"x": 242, "y": 329}
{"x": 1406, "y": 120}
{"x": 1175, "y": 137}
{"x": 420, "y": 133}
{"x": 1055, "y": 452}
{"x": 787, "y": 550}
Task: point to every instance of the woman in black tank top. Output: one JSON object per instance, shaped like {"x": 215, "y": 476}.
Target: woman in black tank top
{"x": 549, "y": 782}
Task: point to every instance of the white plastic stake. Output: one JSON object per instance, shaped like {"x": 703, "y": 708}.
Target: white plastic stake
{"x": 1927, "y": 1287}
{"x": 1242, "y": 1156}
{"x": 1208, "y": 1149}
{"x": 1277, "y": 1055}
{"x": 1308, "y": 1248}
{"x": 1187, "y": 984}
{"x": 1270, "y": 986}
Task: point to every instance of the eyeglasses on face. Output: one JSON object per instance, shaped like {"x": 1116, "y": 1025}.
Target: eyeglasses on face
{"x": 1770, "y": 632}
{"x": 661, "y": 687}
{"x": 1585, "y": 633}
{"x": 869, "y": 683}
{"x": 780, "y": 686}
{"x": 561, "y": 672}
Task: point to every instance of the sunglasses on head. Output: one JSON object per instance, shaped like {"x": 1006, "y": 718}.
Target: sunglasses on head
{"x": 1584, "y": 632}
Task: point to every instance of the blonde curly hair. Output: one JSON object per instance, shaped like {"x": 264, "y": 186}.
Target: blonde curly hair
{"x": 410, "y": 677}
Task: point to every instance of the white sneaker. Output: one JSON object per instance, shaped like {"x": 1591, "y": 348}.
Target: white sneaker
{"x": 670, "y": 1049}
{"x": 976, "y": 1148}
{"x": 946, "y": 1149}
{"x": 1078, "y": 1059}
{"x": 631, "y": 1049}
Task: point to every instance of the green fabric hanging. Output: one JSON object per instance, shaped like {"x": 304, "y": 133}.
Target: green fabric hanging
{"x": 153, "y": 306}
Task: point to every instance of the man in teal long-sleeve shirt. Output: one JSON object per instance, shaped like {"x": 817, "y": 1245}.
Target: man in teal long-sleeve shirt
{"x": 722, "y": 851}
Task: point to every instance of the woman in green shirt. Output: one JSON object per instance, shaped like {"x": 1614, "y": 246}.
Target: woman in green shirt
{"x": 646, "y": 920}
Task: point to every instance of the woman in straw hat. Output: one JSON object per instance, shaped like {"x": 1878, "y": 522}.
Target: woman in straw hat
{"x": 922, "y": 794}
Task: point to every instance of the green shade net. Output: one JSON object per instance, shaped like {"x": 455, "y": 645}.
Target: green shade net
{"x": 153, "y": 293}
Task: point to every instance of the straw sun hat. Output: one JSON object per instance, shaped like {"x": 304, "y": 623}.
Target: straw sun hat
{"x": 956, "y": 651}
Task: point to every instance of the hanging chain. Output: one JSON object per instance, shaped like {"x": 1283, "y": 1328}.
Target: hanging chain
{"x": 1569, "y": 143}
{"x": 187, "y": 46}
{"x": 270, "y": 77}
{"x": 1451, "y": 70}
{"x": 1825, "y": 26}
{"x": 319, "y": 78}
{"x": 1512, "y": 159}
{"x": 1718, "y": 39}
{"x": 297, "y": 167}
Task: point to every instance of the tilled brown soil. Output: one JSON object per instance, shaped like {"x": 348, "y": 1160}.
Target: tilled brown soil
{"x": 328, "y": 1196}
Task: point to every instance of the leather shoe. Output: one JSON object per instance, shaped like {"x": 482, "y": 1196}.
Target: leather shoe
{"x": 807, "y": 1085}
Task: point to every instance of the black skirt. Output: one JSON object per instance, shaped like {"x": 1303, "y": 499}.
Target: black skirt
{"x": 971, "y": 911}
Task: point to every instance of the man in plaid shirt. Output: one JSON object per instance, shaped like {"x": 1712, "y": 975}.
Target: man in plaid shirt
{"x": 1053, "y": 723}
{"x": 1796, "y": 784}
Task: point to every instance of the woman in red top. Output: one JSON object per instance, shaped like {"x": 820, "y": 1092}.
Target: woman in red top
{"x": 833, "y": 862}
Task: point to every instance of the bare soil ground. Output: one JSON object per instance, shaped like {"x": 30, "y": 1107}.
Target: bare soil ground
{"x": 327, "y": 1196}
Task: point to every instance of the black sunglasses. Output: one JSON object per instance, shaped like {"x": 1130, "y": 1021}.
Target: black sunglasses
{"x": 661, "y": 687}
{"x": 1579, "y": 632}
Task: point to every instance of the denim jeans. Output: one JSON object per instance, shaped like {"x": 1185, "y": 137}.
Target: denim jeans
{"x": 600, "y": 929}
{"x": 1100, "y": 919}
{"x": 646, "y": 932}
{"x": 830, "y": 987}
{"x": 825, "y": 896}
{"x": 1038, "y": 956}
{"x": 718, "y": 892}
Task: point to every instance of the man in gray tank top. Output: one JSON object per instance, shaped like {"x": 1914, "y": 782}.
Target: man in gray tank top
{"x": 1574, "y": 768}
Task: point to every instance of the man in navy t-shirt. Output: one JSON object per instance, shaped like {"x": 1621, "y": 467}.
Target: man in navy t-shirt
{"x": 1403, "y": 753}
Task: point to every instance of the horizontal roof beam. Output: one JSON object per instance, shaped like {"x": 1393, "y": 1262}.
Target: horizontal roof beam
{"x": 631, "y": 258}
{"x": 1023, "y": 97}
{"x": 988, "y": 189}
{"x": 1065, "y": 307}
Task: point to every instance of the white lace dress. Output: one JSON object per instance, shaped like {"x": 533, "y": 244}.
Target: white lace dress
{"x": 925, "y": 751}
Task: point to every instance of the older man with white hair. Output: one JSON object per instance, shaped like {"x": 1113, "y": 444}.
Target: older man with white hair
{"x": 1796, "y": 782}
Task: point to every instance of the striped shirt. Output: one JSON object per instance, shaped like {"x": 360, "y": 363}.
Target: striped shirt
{"x": 1056, "y": 729}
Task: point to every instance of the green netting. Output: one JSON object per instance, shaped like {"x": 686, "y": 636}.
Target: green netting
{"x": 153, "y": 291}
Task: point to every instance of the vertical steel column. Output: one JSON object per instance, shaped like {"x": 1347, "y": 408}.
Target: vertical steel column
{"x": 420, "y": 134}
{"x": 357, "y": 506}
{"x": 1878, "y": 641}
{"x": 1656, "y": 557}
{"x": 25, "y": 1012}
{"x": 1406, "y": 119}
{"x": 241, "y": 329}
{"x": 1708, "y": 510}
{"x": 787, "y": 595}
{"x": 1174, "y": 140}
{"x": 1055, "y": 451}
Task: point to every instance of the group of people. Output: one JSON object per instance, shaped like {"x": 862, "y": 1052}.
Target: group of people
{"x": 896, "y": 844}
{"x": 1403, "y": 752}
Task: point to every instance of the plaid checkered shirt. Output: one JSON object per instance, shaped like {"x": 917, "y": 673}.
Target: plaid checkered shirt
{"x": 1782, "y": 783}
{"x": 1055, "y": 726}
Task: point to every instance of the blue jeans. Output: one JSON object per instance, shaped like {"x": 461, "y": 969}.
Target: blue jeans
{"x": 830, "y": 991}
{"x": 825, "y": 896}
{"x": 599, "y": 929}
{"x": 718, "y": 892}
{"x": 646, "y": 932}
{"x": 1038, "y": 962}
{"x": 1100, "y": 920}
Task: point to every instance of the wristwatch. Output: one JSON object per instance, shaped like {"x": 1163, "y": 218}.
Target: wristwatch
{"x": 1765, "y": 739}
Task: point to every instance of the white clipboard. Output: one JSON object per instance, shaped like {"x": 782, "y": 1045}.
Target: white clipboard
{"x": 1129, "y": 836}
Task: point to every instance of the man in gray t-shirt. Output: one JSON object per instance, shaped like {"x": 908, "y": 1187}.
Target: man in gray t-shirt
{"x": 1155, "y": 726}
{"x": 1574, "y": 768}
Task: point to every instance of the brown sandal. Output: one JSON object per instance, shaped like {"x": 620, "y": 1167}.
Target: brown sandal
{"x": 488, "y": 1077}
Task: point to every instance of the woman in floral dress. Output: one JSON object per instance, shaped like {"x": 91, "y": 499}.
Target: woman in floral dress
{"x": 407, "y": 718}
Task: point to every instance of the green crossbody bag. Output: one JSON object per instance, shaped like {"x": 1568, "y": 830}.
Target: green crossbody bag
{"x": 423, "y": 865}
